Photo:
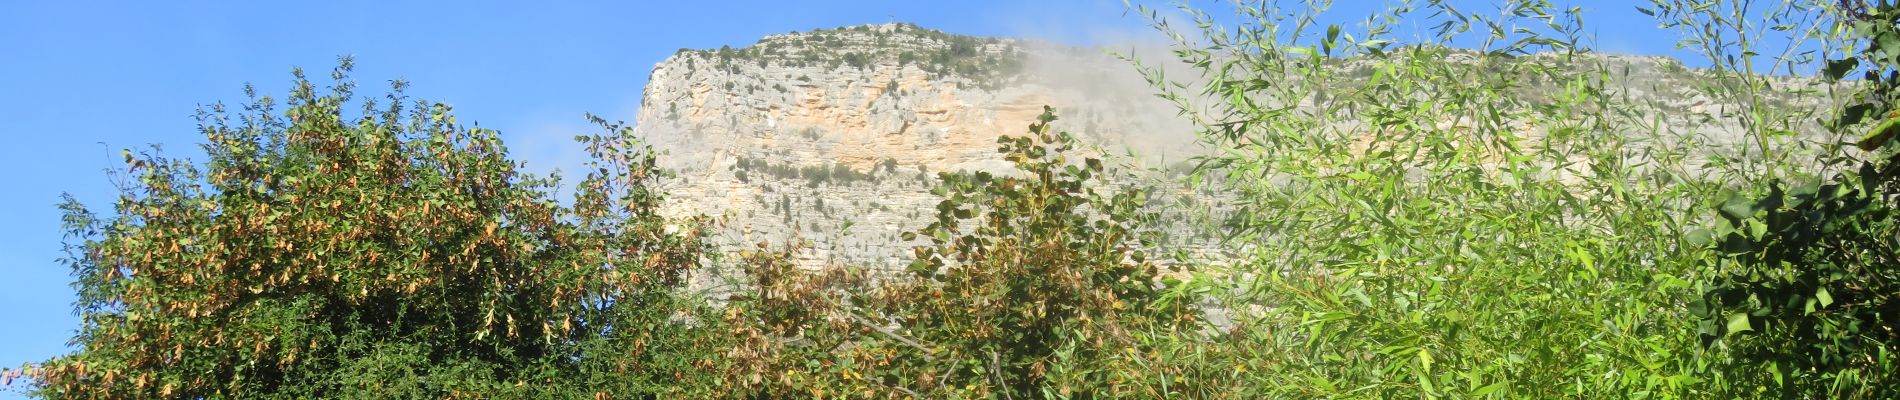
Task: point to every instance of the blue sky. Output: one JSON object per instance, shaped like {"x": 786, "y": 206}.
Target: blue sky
{"x": 81, "y": 79}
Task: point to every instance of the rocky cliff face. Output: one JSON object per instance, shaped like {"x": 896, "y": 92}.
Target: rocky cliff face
{"x": 835, "y": 136}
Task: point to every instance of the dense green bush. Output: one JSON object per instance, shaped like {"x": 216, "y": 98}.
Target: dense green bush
{"x": 1805, "y": 297}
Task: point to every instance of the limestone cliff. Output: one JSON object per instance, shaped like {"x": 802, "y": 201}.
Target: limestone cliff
{"x": 834, "y": 136}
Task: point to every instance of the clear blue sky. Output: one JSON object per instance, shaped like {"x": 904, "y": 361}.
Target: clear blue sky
{"x": 76, "y": 74}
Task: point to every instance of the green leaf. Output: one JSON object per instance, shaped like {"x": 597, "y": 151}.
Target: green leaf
{"x": 1738, "y": 322}
{"x": 1880, "y": 135}
{"x": 1699, "y": 308}
{"x": 1821, "y": 294}
{"x": 1836, "y": 69}
{"x": 1888, "y": 43}
{"x": 1738, "y": 207}
{"x": 1487, "y": 389}
{"x": 1699, "y": 237}
{"x": 1332, "y": 36}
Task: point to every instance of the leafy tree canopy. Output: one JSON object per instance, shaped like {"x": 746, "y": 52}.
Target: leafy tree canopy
{"x": 350, "y": 247}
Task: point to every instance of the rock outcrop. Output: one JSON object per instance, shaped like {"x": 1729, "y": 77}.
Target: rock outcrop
{"x": 835, "y": 136}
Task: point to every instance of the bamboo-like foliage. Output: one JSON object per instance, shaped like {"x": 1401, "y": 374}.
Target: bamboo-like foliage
{"x": 1478, "y": 209}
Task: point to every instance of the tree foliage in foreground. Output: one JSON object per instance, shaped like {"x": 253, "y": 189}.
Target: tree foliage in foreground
{"x": 384, "y": 251}
{"x": 1502, "y": 220}
{"x": 1806, "y": 296}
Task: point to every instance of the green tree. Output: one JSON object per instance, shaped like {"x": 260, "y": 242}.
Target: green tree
{"x": 384, "y": 251}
